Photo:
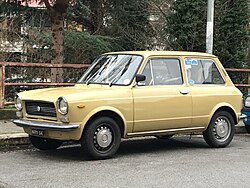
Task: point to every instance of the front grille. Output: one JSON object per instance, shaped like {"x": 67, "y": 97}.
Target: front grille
{"x": 40, "y": 109}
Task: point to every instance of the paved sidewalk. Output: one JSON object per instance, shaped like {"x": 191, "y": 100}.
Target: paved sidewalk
{"x": 10, "y": 134}
{"x": 7, "y": 127}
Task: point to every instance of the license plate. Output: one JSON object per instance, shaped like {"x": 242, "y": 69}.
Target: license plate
{"x": 37, "y": 132}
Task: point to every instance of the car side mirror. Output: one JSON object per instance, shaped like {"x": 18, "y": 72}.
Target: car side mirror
{"x": 140, "y": 78}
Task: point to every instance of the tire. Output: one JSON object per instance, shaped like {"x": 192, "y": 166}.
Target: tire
{"x": 45, "y": 143}
{"x": 220, "y": 131}
{"x": 166, "y": 137}
{"x": 247, "y": 128}
{"x": 101, "y": 138}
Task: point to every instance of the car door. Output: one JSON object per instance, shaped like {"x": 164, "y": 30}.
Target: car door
{"x": 162, "y": 101}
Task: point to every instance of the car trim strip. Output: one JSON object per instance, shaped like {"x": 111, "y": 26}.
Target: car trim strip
{"x": 45, "y": 125}
{"x": 166, "y": 131}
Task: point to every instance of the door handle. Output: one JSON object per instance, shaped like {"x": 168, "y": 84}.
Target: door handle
{"x": 184, "y": 91}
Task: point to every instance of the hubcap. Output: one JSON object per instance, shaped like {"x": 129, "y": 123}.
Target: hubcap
{"x": 222, "y": 129}
{"x": 102, "y": 138}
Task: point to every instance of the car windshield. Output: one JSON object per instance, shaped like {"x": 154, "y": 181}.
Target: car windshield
{"x": 117, "y": 69}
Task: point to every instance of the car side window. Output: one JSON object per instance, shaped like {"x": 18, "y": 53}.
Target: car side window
{"x": 163, "y": 71}
{"x": 202, "y": 72}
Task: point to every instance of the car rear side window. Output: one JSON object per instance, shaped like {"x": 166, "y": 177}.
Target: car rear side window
{"x": 163, "y": 71}
{"x": 202, "y": 72}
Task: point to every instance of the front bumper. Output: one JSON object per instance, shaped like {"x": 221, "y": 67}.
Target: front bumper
{"x": 243, "y": 116}
{"x": 45, "y": 125}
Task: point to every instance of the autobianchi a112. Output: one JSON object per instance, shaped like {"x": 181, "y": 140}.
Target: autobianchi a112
{"x": 134, "y": 93}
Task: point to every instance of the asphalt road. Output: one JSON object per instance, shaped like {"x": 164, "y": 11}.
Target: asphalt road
{"x": 147, "y": 162}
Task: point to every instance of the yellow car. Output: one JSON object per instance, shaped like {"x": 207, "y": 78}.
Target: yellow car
{"x": 134, "y": 93}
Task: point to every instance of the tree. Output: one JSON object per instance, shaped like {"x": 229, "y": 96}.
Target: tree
{"x": 91, "y": 14}
{"x": 81, "y": 47}
{"x": 186, "y": 29}
{"x": 57, "y": 10}
{"x": 159, "y": 10}
{"x": 21, "y": 34}
{"x": 129, "y": 24}
{"x": 231, "y": 39}
{"x": 185, "y": 25}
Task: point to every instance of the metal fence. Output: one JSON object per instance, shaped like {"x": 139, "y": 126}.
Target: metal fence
{"x": 239, "y": 72}
{"x": 24, "y": 76}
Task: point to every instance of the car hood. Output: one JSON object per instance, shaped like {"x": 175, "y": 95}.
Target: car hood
{"x": 70, "y": 93}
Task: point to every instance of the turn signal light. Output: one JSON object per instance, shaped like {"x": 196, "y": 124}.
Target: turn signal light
{"x": 80, "y": 106}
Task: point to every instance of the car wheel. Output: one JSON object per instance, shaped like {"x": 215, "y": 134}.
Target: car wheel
{"x": 220, "y": 131}
{"x": 101, "y": 138}
{"x": 247, "y": 128}
{"x": 44, "y": 143}
{"x": 165, "y": 136}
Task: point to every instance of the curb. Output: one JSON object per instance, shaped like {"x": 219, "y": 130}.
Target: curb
{"x": 14, "y": 139}
{"x": 240, "y": 129}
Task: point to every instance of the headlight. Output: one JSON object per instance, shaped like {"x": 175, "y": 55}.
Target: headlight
{"x": 62, "y": 105}
{"x": 247, "y": 102}
{"x": 18, "y": 103}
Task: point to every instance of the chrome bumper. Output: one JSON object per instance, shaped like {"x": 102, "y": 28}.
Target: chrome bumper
{"x": 45, "y": 125}
{"x": 242, "y": 116}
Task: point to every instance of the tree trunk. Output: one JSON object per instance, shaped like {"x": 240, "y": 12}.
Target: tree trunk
{"x": 58, "y": 45}
{"x": 97, "y": 9}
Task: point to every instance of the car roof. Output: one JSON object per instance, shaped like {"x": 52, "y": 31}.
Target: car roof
{"x": 160, "y": 53}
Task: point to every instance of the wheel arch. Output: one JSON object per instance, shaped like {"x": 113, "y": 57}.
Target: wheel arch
{"x": 107, "y": 112}
{"x": 227, "y": 108}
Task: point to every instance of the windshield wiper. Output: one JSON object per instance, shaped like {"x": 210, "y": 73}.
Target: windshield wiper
{"x": 87, "y": 82}
{"x": 118, "y": 76}
{"x": 97, "y": 72}
{"x": 100, "y": 70}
